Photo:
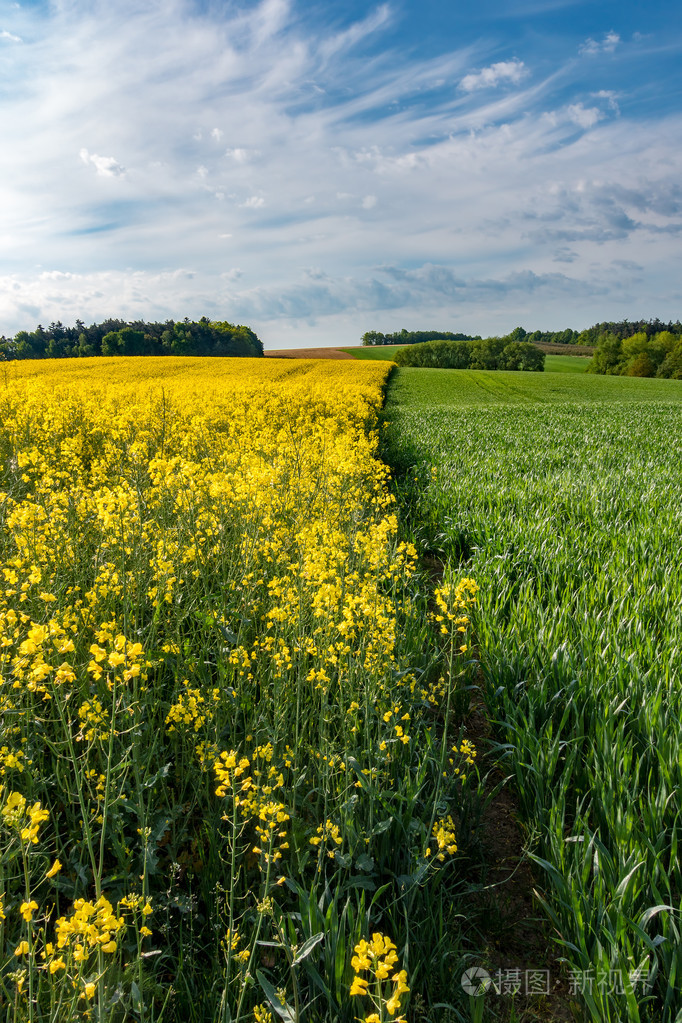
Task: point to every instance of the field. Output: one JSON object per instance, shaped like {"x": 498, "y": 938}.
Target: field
{"x": 562, "y": 496}
{"x": 566, "y": 364}
{"x": 382, "y": 352}
{"x": 230, "y": 767}
{"x": 273, "y": 658}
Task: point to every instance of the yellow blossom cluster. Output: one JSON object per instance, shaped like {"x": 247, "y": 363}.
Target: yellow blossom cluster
{"x": 253, "y": 784}
{"x": 11, "y": 760}
{"x": 454, "y": 605}
{"x": 444, "y": 836}
{"x": 262, "y": 1014}
{"x": 378, "y": 959}
{"x": 90, "y": 925}
{"x": 189, "y": 711}
{"x": 17, "y": 814}
{"x": 328, "y": 835}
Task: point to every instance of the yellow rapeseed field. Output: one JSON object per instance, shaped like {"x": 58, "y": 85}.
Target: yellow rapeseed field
{"x": 224, "y": 710}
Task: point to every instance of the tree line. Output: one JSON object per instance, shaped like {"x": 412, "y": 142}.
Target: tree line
{"x": 137, "y": 337}
{"x": 489, "y": 353}
{"x": 413, "y": 337}
{"x": 628, "y": 328}
{"x": 641, "y": 354}
{"x": 590, "y": 336}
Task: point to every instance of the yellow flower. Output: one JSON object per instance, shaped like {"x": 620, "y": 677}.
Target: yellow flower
{"x": 359, "y": 986}
{"x": 21, "y": 949}
{"x": 27, "y": 909}
{"x": 54, "y": 869}
{"x": 393, "y": 1004}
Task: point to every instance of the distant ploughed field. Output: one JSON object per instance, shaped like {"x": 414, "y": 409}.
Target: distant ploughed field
{"x": 308, "y": 353}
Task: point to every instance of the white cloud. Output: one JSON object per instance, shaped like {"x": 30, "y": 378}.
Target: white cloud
{"x": 106, "y": 166}
{"x": 607, "y": 45}
{"x": 254, "y": 202}
{"x": 584, "y": 117}
{"x": 238, "y": 155}
{"x": 369, "y": 202}
{"x": 611, "y": 98}
{"x": 505, "y": 71}
{"x": 9, "y": 37}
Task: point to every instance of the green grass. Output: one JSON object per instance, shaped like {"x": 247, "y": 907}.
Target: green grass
{"x": 429, "y": 388}
{"x": 566, "y": 364}
{"x": 562, "y": 496}
{"x": 380, "y": 352}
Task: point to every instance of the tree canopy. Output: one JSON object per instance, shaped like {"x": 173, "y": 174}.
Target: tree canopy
{"x": 480, "y": 353}
{"x": 639, "y": 355}
{"x": 412, "y": 337}
{"x": 117, "y": 337}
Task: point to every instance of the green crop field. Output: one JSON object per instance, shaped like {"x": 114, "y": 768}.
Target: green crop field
{"x": 566, "y": 364}
{"x": 562, "y": 496}
{"x": 373, "y": 352}
{"x": 427, "y": 388}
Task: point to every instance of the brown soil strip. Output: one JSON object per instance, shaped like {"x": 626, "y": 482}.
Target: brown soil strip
{"x": 552, "y": 349}
{"x": 307, "y": 353}
{"x": 516, "y": 944}
{"x": 515, "y": 939}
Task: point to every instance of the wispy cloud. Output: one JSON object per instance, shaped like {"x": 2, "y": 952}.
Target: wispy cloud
{"x": 591, "y": 47}
{"x": 348, "y": 38}
{"x": 611, "y": 98}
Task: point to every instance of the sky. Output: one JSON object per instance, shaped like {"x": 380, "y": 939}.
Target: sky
{"x": 316, "y": 170}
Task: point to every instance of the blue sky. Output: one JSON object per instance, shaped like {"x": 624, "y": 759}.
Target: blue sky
{"x": 324, "y": 169}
